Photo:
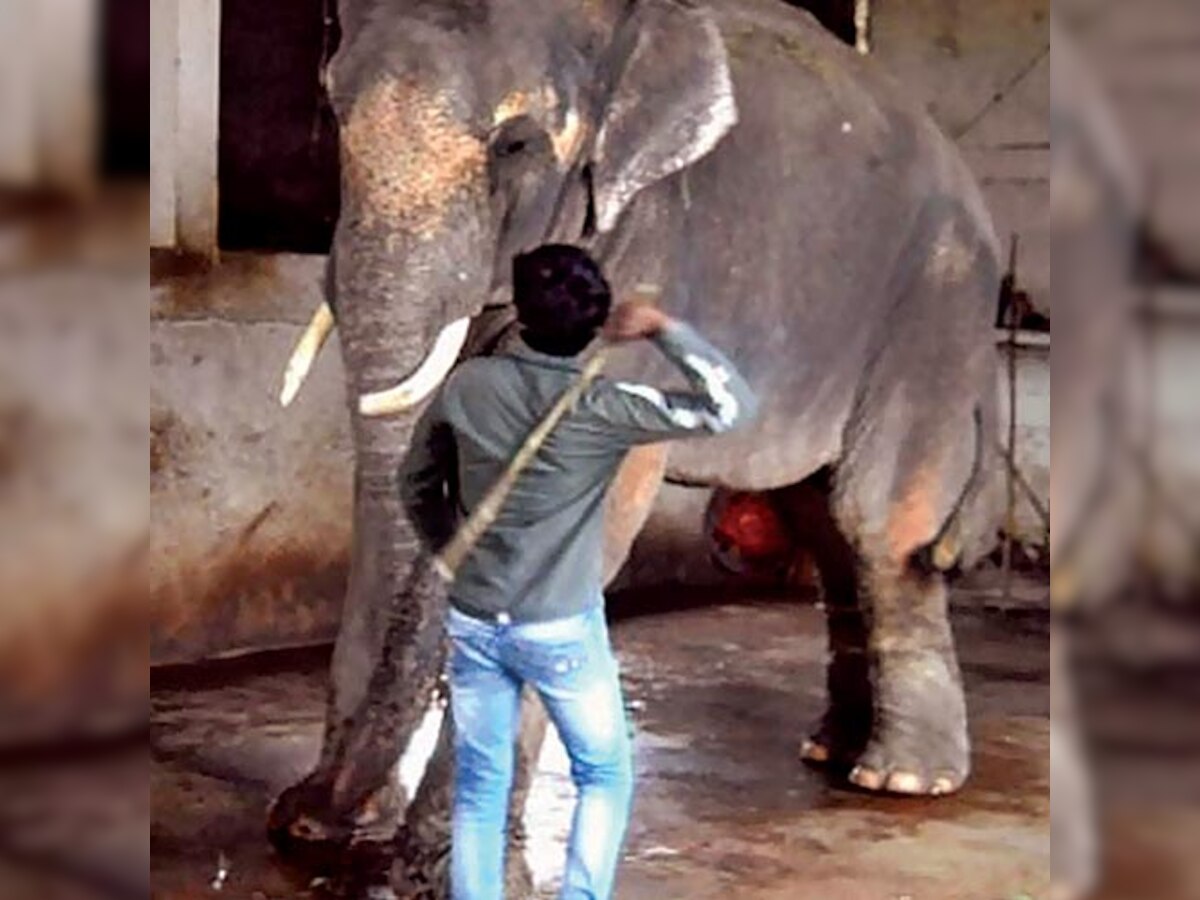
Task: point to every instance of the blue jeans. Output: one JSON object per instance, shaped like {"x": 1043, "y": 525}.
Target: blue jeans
{"x": 571, "y": 665}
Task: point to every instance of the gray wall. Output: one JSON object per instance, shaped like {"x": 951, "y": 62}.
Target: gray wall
{"x": 252, "y": 503}
{"x": 982, "y": 69}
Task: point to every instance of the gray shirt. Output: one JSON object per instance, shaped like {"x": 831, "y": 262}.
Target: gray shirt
{"x": 542, "y": 557}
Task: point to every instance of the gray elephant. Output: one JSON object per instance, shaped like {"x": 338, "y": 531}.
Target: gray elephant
{"x": 790, "y": 202}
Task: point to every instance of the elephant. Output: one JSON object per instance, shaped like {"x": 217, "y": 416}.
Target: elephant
{"x": 789, "y": 201}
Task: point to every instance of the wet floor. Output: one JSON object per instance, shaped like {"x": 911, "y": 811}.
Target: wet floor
{"x": 725, "y": 809}
{"x": 721, "y": 696}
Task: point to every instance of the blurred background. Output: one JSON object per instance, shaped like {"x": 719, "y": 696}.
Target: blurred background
{"x": 1125, "y": 226}
{"x": 157, "y": 509}
{"x": 74, "y": 509}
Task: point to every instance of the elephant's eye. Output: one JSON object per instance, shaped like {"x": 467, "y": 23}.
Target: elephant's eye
{"x": 519, "y": 136}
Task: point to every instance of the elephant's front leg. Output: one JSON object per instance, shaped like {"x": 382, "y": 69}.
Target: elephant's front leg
{"x": 342, "y": 815}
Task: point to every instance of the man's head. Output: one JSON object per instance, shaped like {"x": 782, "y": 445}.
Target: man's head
{"x": 562, "y": 298}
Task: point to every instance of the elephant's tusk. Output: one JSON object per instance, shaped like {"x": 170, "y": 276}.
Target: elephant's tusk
{"x": 421, "y": 383}
{"x": 306, "y": 351}
{"x": 566, "y": 140}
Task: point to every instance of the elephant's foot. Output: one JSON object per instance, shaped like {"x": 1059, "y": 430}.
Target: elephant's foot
{"x": 899, "y": 769}
{"x": 422, "y": 866}
{"x": 920, "y": 743}
{"x": 353, "y": 854}
{"x": 300, "y": 827}
{"x": 845, "y": 729}
{"x": 840, "y": 738}
{"x": 822, "y": 749}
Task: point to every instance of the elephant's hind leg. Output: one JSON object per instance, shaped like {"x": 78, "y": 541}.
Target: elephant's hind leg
{"x": 845, "y": 728}
{"x": 891, "y": 640}
{"x": 894, "y": 718}
{"x": 908, "y": 496}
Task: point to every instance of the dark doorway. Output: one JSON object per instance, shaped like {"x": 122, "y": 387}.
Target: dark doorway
{"x": 278, "y": 153}
{"x": 836, "y": 15}
{"x": 125, "y": 89}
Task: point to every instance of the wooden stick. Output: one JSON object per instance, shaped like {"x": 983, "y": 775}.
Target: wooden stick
{"x": 486, "y": 512}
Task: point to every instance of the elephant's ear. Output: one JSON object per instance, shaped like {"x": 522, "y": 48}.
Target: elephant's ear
{"x": 670, "y": 102}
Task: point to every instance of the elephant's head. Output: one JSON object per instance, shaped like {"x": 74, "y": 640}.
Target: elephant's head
{"x": 474, "y": 130}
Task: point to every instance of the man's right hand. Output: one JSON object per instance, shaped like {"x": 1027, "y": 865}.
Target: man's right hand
{"x": 634, "y": 320}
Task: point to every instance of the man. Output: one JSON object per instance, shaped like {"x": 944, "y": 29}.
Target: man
{"x": 527, "y": 605}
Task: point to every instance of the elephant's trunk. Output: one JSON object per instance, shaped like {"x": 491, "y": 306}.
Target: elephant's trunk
{"x": 389, "y": 311}
{"x": 385, "y": 664}
{"x": 413, "y": 253}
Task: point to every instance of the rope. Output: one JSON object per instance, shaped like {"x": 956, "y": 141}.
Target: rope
{"x": 452, "y": 556}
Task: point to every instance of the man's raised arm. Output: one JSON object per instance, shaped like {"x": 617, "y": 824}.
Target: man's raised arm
{"x": 719, "y": 400}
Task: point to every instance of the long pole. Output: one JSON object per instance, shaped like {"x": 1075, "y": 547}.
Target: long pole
{"x": 486, "y": 511}
{"x": 1010, "y": 527}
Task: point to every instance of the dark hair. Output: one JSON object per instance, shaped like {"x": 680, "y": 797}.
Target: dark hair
{"x": 562, "y": 298}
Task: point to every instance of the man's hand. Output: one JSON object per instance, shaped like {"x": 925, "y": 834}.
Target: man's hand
{"x": 634, "y": 320}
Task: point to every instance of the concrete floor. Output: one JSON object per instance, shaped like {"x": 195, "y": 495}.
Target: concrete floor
{"x": 721, "y": 696}
{"x": 725, "y": 810}
{"x": 719, "y": 693}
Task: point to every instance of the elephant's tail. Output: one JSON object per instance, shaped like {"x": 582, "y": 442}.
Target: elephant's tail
{"x": 969, "y": 531}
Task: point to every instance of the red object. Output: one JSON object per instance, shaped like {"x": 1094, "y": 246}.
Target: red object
{"x": 749, "y": 523}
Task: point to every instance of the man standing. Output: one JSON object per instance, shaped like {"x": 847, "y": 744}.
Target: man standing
{"x": 527, "y": 606}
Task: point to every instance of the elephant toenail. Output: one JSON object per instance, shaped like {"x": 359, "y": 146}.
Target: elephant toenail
{"x": 814, "y": 752}
{"x": 942, "y": 786}
{"x": 866, "y": 778}
{"x": 904, "y": 783}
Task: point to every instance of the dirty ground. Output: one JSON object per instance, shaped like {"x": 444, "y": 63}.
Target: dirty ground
{"x": 721, "y": 688}
{"x": 721, "y": 694}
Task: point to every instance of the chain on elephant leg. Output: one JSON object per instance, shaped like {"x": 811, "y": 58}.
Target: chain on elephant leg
{"x": 919, "y": 743}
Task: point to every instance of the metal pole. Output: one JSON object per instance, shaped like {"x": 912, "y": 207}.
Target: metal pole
{"x": 1010, "y": 527}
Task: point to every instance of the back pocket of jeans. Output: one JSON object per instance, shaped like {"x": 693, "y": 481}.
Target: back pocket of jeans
{"x": 557, "y": 662}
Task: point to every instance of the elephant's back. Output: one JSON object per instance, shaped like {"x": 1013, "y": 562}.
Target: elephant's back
{"x": 794, "y": 232}
{"x": 794, "y": 77}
